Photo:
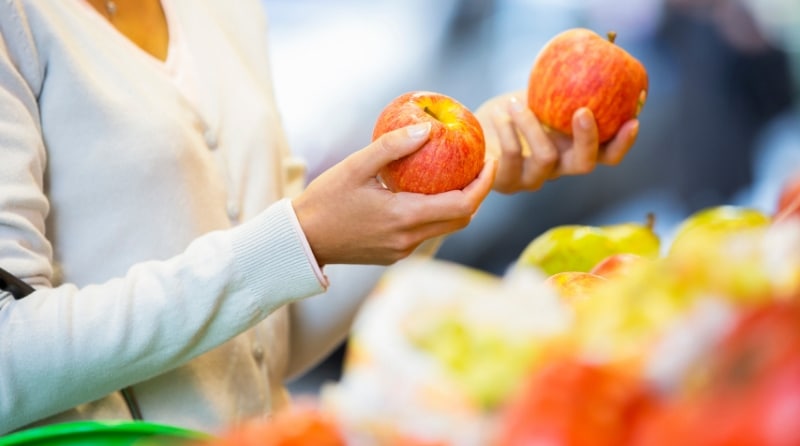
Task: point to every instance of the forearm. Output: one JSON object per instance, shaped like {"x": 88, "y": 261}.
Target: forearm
{"x": 159, "y": 315}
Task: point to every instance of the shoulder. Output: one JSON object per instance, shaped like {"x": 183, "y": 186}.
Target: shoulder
{"x": 18, "y": 50}
{"x": 31, "y": 29}
{"x": 243, "y": 23}
{"x": 242, "y": 16}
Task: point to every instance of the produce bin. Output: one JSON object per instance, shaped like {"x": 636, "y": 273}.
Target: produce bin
{"x": 105, "y": 433}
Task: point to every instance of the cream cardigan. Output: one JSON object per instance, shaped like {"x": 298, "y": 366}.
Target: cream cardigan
{"x": 122, "y": 184}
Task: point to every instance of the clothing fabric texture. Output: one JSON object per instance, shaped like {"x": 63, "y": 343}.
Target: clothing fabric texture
{"x": 147, "y": 202}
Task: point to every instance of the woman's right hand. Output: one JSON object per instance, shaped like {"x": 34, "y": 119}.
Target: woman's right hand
{"x": 348, "y": 216}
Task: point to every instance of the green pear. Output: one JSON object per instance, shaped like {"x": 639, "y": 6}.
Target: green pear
{"x": 634, "y": 238}
{"x": 581, "y": 247}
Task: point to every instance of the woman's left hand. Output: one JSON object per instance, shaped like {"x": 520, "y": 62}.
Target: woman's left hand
{"x": 530, "y": 154}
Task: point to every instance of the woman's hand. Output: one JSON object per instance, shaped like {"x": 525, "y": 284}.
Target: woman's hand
{"x": 529, "y": 154}
{"x": 348, "y": 216}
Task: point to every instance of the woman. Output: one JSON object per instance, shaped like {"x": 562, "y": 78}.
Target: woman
{"x": 148, "y": 196}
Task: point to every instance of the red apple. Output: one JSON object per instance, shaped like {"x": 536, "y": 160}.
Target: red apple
{"x": 789, "y": 199}
{"x": 572, "y": 285}
{"x": 293, "y": 426}
{"x": 452, "y": 157}
{"x": 578, "y": 68}
{"x": 617, "y": 264}
{"x": 571, "y": 403}
{"x": 745, "y": 391}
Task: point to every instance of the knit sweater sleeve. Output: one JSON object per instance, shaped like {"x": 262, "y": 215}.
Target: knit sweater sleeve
{"x": 153, "y": 318}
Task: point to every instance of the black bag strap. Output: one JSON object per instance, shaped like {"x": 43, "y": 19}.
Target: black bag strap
{"x": 19, "y": 289}
{"x": 14, "y": 285}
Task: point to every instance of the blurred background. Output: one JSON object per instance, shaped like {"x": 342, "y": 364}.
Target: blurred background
{"x": 721, "y": 123}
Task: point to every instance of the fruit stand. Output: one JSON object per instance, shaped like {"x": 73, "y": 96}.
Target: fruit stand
{"x": 702, "y": 332}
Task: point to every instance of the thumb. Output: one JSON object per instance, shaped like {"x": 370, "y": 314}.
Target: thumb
{"x": 389, "y": 147}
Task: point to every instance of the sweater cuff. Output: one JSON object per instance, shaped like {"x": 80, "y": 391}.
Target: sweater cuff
{"x": 272, "y": 254}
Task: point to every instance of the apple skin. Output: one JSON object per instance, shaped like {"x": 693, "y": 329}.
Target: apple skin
{"x": 571, "y": 285}
{"x": 573, "y": 403}
{"x": 579, "y": 68}
{"x": 452, "y": 157}
{"x": 789, "y": 199}
{"x": 616, "y": 265}
{"x": 298, "y": 425}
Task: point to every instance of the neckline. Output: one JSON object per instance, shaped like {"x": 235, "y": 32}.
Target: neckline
{"x": 173, "y": 35}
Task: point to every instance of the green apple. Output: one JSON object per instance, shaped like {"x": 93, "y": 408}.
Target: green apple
{"x": 581, "y": 247}
{"x": 716, "y": 221}
{"x": 487, "y": 364}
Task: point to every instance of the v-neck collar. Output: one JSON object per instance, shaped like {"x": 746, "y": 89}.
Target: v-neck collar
{"x": 176, "y": 66}
{"x": 169, "y": 64}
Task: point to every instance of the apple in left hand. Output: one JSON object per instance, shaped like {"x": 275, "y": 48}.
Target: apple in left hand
{"x": 452, "y": 157}
{"x": 579, "y": 68}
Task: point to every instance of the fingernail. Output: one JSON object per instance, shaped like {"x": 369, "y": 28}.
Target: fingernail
{"x": 515, "y": 105}
{"x": 419, "y": 131}
{"x": 499, "y": 114}
{"x": 635, "y": 131}
{"x": 585, "y": 118}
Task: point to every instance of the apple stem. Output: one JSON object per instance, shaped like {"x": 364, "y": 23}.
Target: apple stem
{"x": 428, "y": 111}
{"x": 650, "y": 221}
{"x": 612, "y": 36}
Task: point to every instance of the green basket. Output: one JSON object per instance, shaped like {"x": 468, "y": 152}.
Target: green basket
{"x": 106, "y": 433}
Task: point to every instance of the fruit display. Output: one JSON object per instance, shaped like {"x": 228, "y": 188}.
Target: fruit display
{"x": 749, "y": 384}
{"x": 452, "y": 157}
{"x": 595, "y": 335}
{"x": 579, "y": 68}
{"x": 652, "y": 352}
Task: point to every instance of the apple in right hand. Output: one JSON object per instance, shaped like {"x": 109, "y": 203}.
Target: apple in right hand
{"x": 579, "y": 68}
{"x": 452, "y": 157}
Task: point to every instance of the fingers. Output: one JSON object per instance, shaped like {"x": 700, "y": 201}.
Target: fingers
{"x": 583, "y": 158}
{"x": 389, "y": 147}
{"x": 527, "y": 155}
{"x": 477, "y": 191}
{"x": 452, "y": 205}
{"x": 543, "y": 157}
{"x": 616, "y": 149}
{"x": 510, "y": 151}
